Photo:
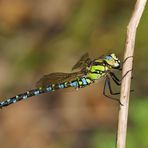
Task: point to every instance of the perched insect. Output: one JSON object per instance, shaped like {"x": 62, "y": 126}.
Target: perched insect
{"x": 90, "y": 71}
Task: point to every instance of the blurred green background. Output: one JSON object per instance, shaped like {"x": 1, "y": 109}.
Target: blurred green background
{"x": 39, "y": 37}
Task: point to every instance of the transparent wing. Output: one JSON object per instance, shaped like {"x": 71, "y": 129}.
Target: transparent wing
{"x": 83, "y": 62}
{"x": 56, "y": 78}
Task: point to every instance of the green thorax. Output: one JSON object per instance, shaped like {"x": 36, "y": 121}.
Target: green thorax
{"x": 97, "y": 70}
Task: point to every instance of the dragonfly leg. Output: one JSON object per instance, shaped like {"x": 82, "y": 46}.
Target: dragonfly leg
{"x": 127, "y": 59}
{"x": 115, "y": 79}
{"x": 107, "y": 82}
{"x": 126, "y": 74}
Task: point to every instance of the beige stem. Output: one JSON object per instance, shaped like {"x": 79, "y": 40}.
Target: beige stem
{"x": 125, "y": 87}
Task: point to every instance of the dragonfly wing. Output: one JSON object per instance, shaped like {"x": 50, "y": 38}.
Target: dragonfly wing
{"x": 57, "y": 78}
{"x": 83, "y": 62}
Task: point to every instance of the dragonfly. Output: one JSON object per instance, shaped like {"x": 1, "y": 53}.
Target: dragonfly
{"x": 88, "y": 71}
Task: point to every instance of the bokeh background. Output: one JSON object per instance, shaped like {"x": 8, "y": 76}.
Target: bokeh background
{"x": 39, "y": 37}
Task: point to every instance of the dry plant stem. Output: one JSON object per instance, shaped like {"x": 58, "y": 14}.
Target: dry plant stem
{"x": 125, "y": 87}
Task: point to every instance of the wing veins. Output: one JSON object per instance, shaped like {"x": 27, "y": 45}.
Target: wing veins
{"x": 56, "y": 78}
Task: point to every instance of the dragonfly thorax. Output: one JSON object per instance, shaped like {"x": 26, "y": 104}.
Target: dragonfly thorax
{"x": 100, "y": 67}
{"x": 97, "y": 71}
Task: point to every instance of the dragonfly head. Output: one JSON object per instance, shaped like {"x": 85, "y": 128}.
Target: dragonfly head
{"x": 112, "y": 61}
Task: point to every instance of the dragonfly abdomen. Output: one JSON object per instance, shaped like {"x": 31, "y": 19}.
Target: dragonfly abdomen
{"x": 78, "y": 83}
{"x": 28, "y": 94}
{"x": 81, "y": 82}
{"x": 20, "y": 97}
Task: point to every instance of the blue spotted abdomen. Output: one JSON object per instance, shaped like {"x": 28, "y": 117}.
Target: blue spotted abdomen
{"x": 24, "y": 96}
{"x": 78, "y": 83}
{"x": 21, "y": 97}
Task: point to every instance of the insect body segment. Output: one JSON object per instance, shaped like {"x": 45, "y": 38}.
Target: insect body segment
{"x": 20, "y": 97}
{"x": 90, "y": 71}
{"x": 78, "y": 83}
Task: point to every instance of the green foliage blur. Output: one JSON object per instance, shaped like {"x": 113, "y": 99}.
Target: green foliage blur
{"x": 39, "y": 37}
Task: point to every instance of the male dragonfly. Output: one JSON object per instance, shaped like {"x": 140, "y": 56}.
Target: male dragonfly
{"x": 90, "y": 70}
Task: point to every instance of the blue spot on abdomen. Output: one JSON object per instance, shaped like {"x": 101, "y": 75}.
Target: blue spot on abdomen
{"x": 14, "y": 100}
{"x": 37, "y": 92}
{"x": 25, "y": 97}
{"x": 84, "y": 81}
{"x": 74, "y": 84}
{"x": 49, "y": 88}
{"x": 61, "y": 86}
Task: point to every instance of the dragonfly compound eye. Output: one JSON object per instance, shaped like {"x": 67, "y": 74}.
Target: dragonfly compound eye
{"x": 112, "y": 60}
